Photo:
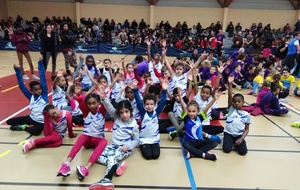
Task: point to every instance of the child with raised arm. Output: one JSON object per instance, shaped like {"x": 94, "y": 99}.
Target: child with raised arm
{"x": 56, "y": 124}
{"x": 237, "y": 123}
{"x": 125, "y": 137}
{"x": 38, "y": 99}
{"x": 92, "y": 70}
{"x": 194, "y": 142}
{"x": 128, "y": 72}
{"x": 149, "y": 110}
{"x": 92, "y": 137}
{"x": 59, "y": 85}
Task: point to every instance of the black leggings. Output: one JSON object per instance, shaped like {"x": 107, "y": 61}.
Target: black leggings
{"x": 78, "y": 120}
{"x": 163, "y": 125}
{"x": 229, "y": 141}
{"x": 197, "y": 148}
{"x": 212, "y": 130}
{"x": 150, "y": 151}
{"x": 36, "y": 129}
{"x": 283, "y": 93}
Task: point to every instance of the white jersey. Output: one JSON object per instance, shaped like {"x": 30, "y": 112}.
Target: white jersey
{"x": 158, "y": 67}
{"x": 128, "y": 78}
{"x": 236, "y": 120}
{"x": 149, "y": 133}
{"x": 115, "y": 90}
{"x": 180, "y": 81}
{"x": 76, "y": 111}
{"x": 177, "y": 109}
{"x": 142, "y": 90}
{"x": 36, "y": 108}
{"x": 202, "y": 104}
{"x": 86, "y": 81}
{"x": 125, "y": 133}
{"x": 94, "y": 125}
{"x": 107, "y": 74}
{"x": 59, "y": 98}
{"x": 61, "y": 126}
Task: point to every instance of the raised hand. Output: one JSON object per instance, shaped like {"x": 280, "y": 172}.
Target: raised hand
{"x": 230, "y": 78}
{"x": 101, "y": 90}
{"x": 179, "y": 90}
{"x": 121, "y": 71}
{"x": 165, "y": 84}
{"x": 164, "y": 43}
{"x": 190, "y": 75}
{"x": 149, "y": 80}
{"x": 98, "y": 62}
{"x": 60, "y": 72}
{"x": 164, "y": 51}
{"x": 148, "y": 42}
{"x": 221, "y": 67}
{"x": 217, "y": 95}
{"x": 80, "y": 56}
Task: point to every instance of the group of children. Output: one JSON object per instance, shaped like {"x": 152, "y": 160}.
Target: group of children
{"x": 91, "y": 96}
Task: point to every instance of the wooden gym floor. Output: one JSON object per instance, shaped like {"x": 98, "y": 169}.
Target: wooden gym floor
{"x": 273, "y": 160}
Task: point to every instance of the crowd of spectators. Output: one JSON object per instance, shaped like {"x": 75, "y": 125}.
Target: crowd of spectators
{"x": 181, "y": 36}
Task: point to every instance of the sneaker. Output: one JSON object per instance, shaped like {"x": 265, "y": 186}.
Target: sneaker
{"x": 103, "y": 184}
{"x": 238, "y": 88}
{"x": 172, "y": 135}
{"x": 29, "y": 144}
{"x": 82, "y": 172}
{"x": 250, "y": 92}
{"x": 296, "y": 124}
{"x": 283, "y": 100}
{"x": 121, "y": 168}
{"x": 35, "y": 77}
{"x": 25, "y": 77}
{"x": 64, "y": 170}
{"x": 210, "y": 156}
{"x": 18, "y": 127}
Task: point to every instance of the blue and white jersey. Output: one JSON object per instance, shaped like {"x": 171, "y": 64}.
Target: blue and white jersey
{"x": 135, "y": 111}
{"x": 142, "y": 90}
{"x": 149, "y": 133}
{"x": 76, "y": 111}
{"x": 59, "y": 98}
{"x": 36, "y": 108}
{"x": 107, "y": 74}
{"x": 86, "y": 81}
{"x": 202, "y": 104}
{"x": 158, "y": 67}
{"x": 125, "y": 133}
{"x": 193, "y": 128}
{"x": 177, "y": 109}
{"x": 180, "y": 81}
{"x": 94, "y": 125}
{"x": 115, "y": 90}
{"x": 236, "y": 120}
{"x": 61, "y": 126}
{"x": 129, "y": 78}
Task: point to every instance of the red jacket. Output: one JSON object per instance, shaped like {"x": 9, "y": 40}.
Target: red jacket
{"x": 21, "y": 41}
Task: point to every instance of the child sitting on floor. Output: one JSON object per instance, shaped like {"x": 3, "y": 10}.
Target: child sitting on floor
{"x": 38, "y": 99}
{"x": 56, "y": 124}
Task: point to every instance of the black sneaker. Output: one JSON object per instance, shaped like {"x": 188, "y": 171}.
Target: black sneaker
{"x": 18, "y": 127}
{"x": 172, "y": 135}
{"x": 210, "y": 156}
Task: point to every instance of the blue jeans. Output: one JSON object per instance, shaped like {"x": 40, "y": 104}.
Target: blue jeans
{"x": 255, "y": 88}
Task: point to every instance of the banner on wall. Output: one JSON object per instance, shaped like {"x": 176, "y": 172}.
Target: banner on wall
{"x": 6, "y": 45}
{"x": 34, "y": 46}
{"x": 112, "y": 49}
{"x": 87, "y": 48}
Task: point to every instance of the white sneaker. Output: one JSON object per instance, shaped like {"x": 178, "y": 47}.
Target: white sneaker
{"x": 35, "y": 77}
{"x": 25, "y": 77}
{"x": 283, "y": 100}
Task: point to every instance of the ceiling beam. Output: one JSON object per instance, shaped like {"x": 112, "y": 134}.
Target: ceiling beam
{"x": 294, "y": 4}
{"x": 227, "y": 3}
{"x": 221, "y": 3}
{"x": 152, "y": 2}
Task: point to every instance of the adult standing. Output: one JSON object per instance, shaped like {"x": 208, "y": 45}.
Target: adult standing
{"x": 293, "y": 50}
{"x": 143, "y": 65}
{"x": 49, "y": 47}
{"x": 67, "y": 46}
{"x": 21, "y": 40}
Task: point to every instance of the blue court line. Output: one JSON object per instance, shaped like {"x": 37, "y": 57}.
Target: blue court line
{"x": 188, "y": 167}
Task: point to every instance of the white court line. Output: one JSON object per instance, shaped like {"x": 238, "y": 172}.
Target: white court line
{"x": 21, "y": 110}
{"x": 291, "y": 108}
